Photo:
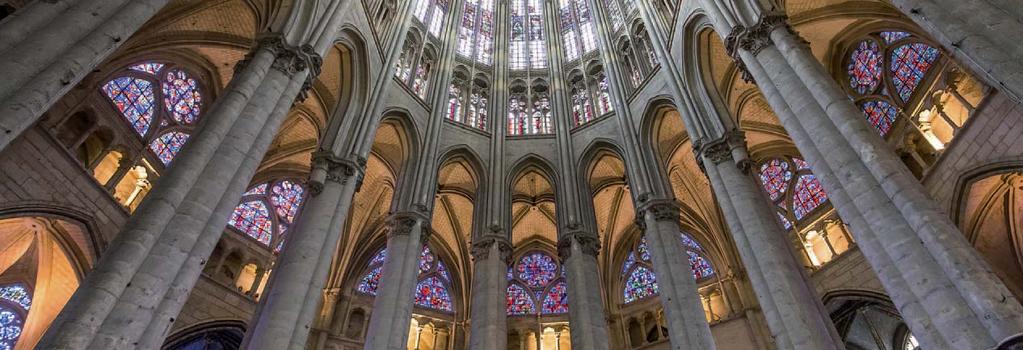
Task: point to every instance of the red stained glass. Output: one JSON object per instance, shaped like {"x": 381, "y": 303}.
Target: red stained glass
{"x": 287, "y": 197}
{"x": 167, "y": 146}
{"x": 181, "y": 96}
{"x": 556, "y": 299}
{"x": 134, "y": 99}
{"x": 519, "y": 302}
{"x": 431, "y": 293}
{"x": 536, "y": 269}
{"x": 880, "y": 114}
{"x": 808, "y": 195}
{"x": 910, "y": 63}
{"x": 641, "y": 284}
{"x": 253, "y": 218}
{"x": 865, "y": 67}
{"x": 370, "y": 282}
{"x": 775, "y": 176}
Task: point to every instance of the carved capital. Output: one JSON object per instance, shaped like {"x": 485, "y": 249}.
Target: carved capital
{"x": 660, "y": 209}
{"x": 753, "y": 39}
{"x": 326, "y": 167}
{"x": 730, "y": 146}
{"x": 402, "y": 224}
{"x": 589, "y": 244}
{"x": 481, "y": 248}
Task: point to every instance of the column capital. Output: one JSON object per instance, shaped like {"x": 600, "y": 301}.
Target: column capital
{"x": 730, "y": 146}
{"x": 327, "y": 167}
{"x": 481, "y": 247}
{"x": 753, "y": 39}
{"x": 402, "y": 223}
{"x": 661, "y": 209}
{"x": 288, "y": 59}
{"x": 588, "y": 242}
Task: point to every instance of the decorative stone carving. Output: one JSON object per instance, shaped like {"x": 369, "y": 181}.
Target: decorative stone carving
{"x": 753, "y": 39}
{"x": 328, "y": 167}
{"x": 730, "y": 146}
{"x": 661, "y": 209}
{"x": 589, "y": 244}
{"x": 481, "y": 248}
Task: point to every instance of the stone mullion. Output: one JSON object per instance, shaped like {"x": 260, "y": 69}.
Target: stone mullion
{"x": 891, "y": 199}
{"x": 896, "y": 283}
{"x": 36, "y": 75}
{"x": 489, "y": 326}
{"x": 392, "y": 307}
{"x": 102, "y": 289}
{"x": 288, "y": 309}
{"x": 987, "y": 40}
{"x": 794, "y": 312}
{"x": 679, "y": 295}
{"x": 578, "y": 253}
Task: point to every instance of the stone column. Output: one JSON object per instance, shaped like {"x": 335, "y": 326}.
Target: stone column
{"x": 256, "y": 281}
{"x": 489, "y": 326}
{"x": 145, "y": 275}
{"x": 987, "y": 40}
{"x": 288, "y": 309}
{"x": 578, "y": 251}
{"x": 687, "y": 325}
{"x": 955, "y": 298}
{"x": 56, "y": 49}
{"x": 392, "y": 308}
{"x": 796, "y": 317}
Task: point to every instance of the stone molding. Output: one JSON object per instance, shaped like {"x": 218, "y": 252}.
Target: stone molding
{"x": 326, "y": 167}
{"x": 481, "y": 248}
{"x": 730, "y": 146}
{"x": 288, "y": 59}
{"x": 589, "y": 243}
{"x": 753, "y": 39}
{"x": 401, "y": 224}
{"x": 661, "y": 209}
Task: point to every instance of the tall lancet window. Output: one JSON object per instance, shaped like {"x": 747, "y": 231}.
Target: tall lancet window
{"x": 577, "y": 32}
{"x": 431, "y": 14}
{"x": 614, "y": 11}
{"x": 529, "y": 110}
{"x": 527, "y": 48}
{"x": 476, "y": 36}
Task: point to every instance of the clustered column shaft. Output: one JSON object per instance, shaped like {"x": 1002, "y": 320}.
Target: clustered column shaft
{"x": 488, "y": 328}
{"x": 392, "y": 307}
{"x": 948, "y": 294}
{"x": 578, "y": 252}
{"x": 795, "y": 315}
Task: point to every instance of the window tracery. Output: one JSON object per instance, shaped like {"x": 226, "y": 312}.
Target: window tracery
{"x": 415, "y": 66}
{"x": 791, "y": 185}
{"x": 15, "y": 302}
{"x": 267, "y": 211}
{"x": 637, "y": 274}
{"x": 476, "y": 37}
{"x": 434, "y": 280}
{"x": 527, "y": 47}
{"x": 431, "y": 14}
{"x": 164, "y": 126}
{"x": 529, "y": 112}
{"x": 536, "y": 279}
{"x": 577, "y": 29}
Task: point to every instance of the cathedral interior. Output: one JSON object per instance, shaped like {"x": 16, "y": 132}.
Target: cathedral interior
{"x": 511, "y": 174}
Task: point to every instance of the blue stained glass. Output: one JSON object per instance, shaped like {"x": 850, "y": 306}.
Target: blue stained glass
{"x": 641, "y": 284}
{"x": 426, "y": 260}
{"x": 801, "y": 164}
{"x": 893, "y": 36}
{"x": 644, "y": 252}
{"x": 701, "y": 268}
{"x": 910, "y": 63}
{"x": 775, "y": 176}
{"x": 865, "y": 67}
{"x": 370, "y": 282}
{"x": 629, "y": 261}
{"x": 784, "y": 221}
{"x": 808, "y": 196}
{"x": 690, "y": 243}
{"x": 443, "y": 271}
{"x": 16, "y": 293}
{"x": 181, "y": 96}
{"x": 134, "y": 99}
{"x": 151, "y": 68}
{"x": 431, "y": 293}
{"x": 258, "y": 190}
{"x": 167, "y": 146}
{"x": 11, "y": 324}
{"x": 536, "y": 269}
{"x": 287, "y": 197}
{"x": 556, "y": 300}
{"x": 379, "y": 258}
{"x": 880, "y": 114}
{"x": 253, "y": 218}
{"x": 518, "y": 300}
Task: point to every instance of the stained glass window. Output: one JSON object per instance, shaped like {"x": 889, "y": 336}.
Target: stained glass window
{"x": 432, "y": 289}
{"x": 431, "y": 14}
{"x": 615, "y": 12}
{"x": 478, "y": 116}
{"x": 536, "y": 120}
{"x": 422, "y": 77}
{"x": 519, "y": 301}
{"x": 16, "y": 293}
{"x": 873, "y": 76}
{"x": 455, "y": 103}
{"x": 807, "y": 192}
{"x": 134, "y": 96}
{"x": 477, "y": 31}
{"x": 556, "y": 299}
{"x": 604, "y": 95}
{"x": 911, "y": 343}
{"x": 266, "y": 204}
{"x": 578, "y": 36}
{"x": 910, "y": 63}
{"x": 775, "y": 176}
{"x": 638, "y": 273}
{"x": 527, "y": 49}
{"x": 534, "y": 280}
{"x": 582, "y": 110}
{"x": 13, "y": 311}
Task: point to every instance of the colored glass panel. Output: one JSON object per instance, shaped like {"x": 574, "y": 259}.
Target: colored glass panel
{"x": 807, "y": 196}
{"x": 641, "y": 284}
{"x": 287, "y": 197}
{"x": 784, "y": 221}
{"x": 258, "y": 190}
{"x": 519, "y": 302}
{"x": 11, "y": 324}
{"x": 16, "y": 293}
{"x": 536, "y": 269}
{"x": 690, "y": 243}
{"x": 181, "y": 96}
{"x": 775, "y": 176}
{"x": 701, "y": 268}
{"x": 426, "y": 259}
{"x": 801, "y": 164}
{"x": 370, "y": 282}
{"x": 865, "y": 67}
{"x": 556, "y": 300}
{"x": 910, "y": 63}
{"x": 629, "y": 261}
{"x": 253, "y": 218}
{"x": 893, "y": 36}
{"x": 642, "y": 250}
{"x": 151, "y": 68}
{"x": 134, "y": 99}
{"x": 455, "y": 103}
{"x": 431, "y": 293}
{"x": 443, "y": 271}
{"x": 880, "y": 114}
{"x": 167, "y": 146}
{"x": 379, "y": 258}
